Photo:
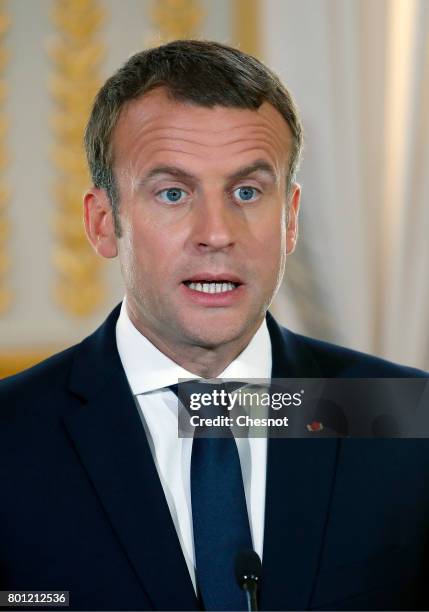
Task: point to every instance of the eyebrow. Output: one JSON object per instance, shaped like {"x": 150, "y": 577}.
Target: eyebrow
{"x": 258, "y": 166}
{"x": 179, "y": 173}
{"x": 170, "y": 170}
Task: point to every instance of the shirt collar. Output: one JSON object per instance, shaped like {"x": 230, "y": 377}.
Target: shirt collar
{"x": 148, "y": 369}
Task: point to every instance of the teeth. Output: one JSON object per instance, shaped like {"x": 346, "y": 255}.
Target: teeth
{"x": 211, "y": 287}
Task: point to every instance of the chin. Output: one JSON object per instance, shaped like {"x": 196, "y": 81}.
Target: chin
{"x": 211, "y": 334}
{"x": 211, "y": 340}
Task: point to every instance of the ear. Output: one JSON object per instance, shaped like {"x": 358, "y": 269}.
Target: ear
{"x": 99, "y": 224}
{"x": 292, "y": 226}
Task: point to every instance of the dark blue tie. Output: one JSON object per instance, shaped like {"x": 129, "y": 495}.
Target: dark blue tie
{"x": 219, "y": 513}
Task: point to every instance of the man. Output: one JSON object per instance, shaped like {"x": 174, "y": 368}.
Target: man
{"x": 193, "y": 149}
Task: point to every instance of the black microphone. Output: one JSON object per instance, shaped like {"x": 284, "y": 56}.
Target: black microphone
{"x": 248, "y": 571}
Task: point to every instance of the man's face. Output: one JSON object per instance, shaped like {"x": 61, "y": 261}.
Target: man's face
{"x": 203, "y": 216}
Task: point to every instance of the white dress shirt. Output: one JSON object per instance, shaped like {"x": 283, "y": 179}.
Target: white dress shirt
{"x": 149, "y": 372}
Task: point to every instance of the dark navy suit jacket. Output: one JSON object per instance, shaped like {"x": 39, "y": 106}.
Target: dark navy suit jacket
{"x": 82, "y": 508}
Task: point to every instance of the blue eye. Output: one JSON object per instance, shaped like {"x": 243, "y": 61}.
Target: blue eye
{"x": 246, "y": 194}
{"x": 171, "y": 195}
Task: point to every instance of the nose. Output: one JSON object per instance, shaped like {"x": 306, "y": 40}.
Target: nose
{"x": 214, "y": 226}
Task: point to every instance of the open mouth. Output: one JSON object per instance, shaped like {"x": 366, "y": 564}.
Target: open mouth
{"x": 205, "y": 286}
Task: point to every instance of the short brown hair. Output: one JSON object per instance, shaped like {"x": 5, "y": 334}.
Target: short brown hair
{"x": 204, "y": 73}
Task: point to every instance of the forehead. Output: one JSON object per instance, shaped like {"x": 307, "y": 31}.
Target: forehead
{"x": 155, "y": 128}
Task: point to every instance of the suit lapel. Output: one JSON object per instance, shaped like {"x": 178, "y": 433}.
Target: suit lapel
{"x": 108, "y": 435}
{"x": 300, "y": 477}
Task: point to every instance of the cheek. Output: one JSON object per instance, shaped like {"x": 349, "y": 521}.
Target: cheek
{"x": 275, "y": 259}
{"x": 147, "y": 256}
{"x": 134, "y": 254}
{"x": 270, "y": 260}
{"x": 270, "y": 242}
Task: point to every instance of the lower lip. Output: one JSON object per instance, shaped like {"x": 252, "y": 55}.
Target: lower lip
{"x": 226, "y": 298}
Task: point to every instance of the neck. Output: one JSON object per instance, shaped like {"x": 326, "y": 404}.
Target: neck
{"x": 207, "y": 362}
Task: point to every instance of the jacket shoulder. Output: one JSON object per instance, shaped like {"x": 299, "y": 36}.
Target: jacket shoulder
{"x": 335, "y": 360}
{"x": 36, "y": 386}
{"x": 47, "y": 368}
